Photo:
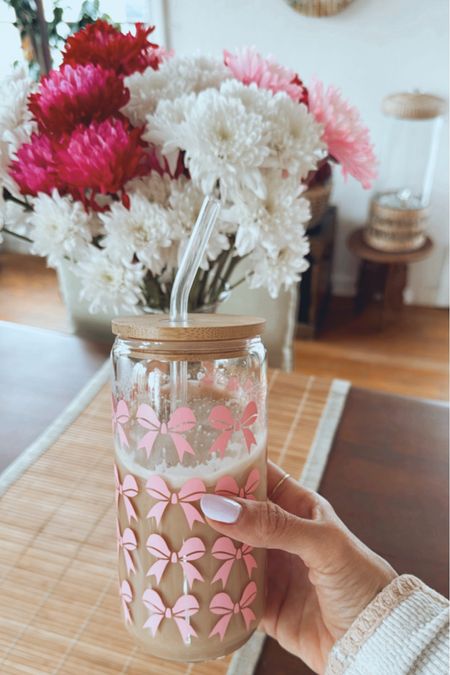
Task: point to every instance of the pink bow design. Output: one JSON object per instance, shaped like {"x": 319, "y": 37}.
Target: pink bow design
{"x": 192, "y": 549}
{"x": 228, "y": 487}
{"x": 208, "y": 379}
{"x": 234, "y": 385}
{"x": 126, "y": 542}
{"x": 222, "y": 418}
{"x": 224, "y": 605}
{"x": 183, "y": 609}
{"x": 126, "y": 490}
{"x": 191, "y": 491}
{"x": 224, "y": 549}
{"x": 126, "y": 596}
{"x": 181, "y": 420}
{"x": 120, "y": 416}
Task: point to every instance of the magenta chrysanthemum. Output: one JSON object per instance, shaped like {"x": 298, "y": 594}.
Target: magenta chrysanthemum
{"x": 77, "y": 95}
{"x": 101, "y": 158}
{"x": 347, "y": 139}
{"x": 35, "y": 169}
{"x": 101, "y": 43}
{"x": 248, "y": 66}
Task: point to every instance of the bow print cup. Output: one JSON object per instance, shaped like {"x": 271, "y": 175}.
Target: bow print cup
{"x": 187, "y": 593}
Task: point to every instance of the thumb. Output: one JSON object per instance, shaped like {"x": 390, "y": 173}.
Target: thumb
{"x": 264, "y": 524}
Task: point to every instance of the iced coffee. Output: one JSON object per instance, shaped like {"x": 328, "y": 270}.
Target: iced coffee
{"x": 187, "y": 592}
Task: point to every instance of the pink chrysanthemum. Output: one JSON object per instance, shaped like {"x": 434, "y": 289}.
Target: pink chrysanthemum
{"x": 101, "y": 43}
{"x": 348, "y": 141}
{"x": 248, "y": 66}
{"x": 35, "y": 169}
{"x": 101, "y": 158}
{"x": 77, "y": 95}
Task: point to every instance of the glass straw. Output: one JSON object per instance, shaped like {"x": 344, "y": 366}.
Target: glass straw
{"x": 189, "y": 266}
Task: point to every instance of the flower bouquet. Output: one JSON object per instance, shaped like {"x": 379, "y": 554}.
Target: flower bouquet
{"x": 105, "y": 163}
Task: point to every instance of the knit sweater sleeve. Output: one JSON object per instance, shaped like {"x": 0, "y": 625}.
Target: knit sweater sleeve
{"x": 404, "y": 630}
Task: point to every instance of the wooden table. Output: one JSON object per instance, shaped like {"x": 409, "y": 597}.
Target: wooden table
{"x": 383, "y": 275}
{"x": 387, "y": 475}
{"x": 387, "y": 478}
{"x": 41, "y": 372}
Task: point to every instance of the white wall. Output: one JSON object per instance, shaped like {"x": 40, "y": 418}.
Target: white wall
{"x": 369, "y": 50}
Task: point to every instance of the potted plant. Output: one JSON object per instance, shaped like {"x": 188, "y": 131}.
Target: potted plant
{"x": 106, "y": 160}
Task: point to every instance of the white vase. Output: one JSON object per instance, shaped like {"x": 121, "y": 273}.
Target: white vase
{"x": 92, "y": 326}
{"x": 280, "y": 314}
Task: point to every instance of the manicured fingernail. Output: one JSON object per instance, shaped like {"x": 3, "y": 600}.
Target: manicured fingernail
{"x": 222, "y": 509}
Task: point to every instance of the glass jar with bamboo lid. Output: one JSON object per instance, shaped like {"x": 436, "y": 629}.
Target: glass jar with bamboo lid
{"x": 189, "y": 418}
{"x": 399, "y": 208}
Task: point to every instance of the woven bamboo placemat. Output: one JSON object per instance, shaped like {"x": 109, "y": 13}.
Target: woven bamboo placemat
{"x": 59, "y": 605}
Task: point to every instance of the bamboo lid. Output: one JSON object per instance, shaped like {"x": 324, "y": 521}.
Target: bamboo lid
{"x": 413, "y": 106}
{"x": 199, "y": 327}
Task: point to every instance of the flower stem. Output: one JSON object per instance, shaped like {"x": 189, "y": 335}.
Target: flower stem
{"x": 200, "y": 299}
{"x": 234, "y": 260}
{"x": 220, "y": 262}
{"x": 19, "y": 236}
{"x": 10, "y": 198}
{"x": 153, "y": 294}
{"x": 220, "y": 278}
{"x": 238, "y": 283}
{"x": 195, "y": 291}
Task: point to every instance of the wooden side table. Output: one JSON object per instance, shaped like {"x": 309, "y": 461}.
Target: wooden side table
{"x": 383, "y": 275}
{"x": 315, "y": 286}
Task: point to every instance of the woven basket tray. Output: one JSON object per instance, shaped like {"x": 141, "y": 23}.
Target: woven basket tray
{"x": 395, "y": 230}
{"x": 319, "y": 198}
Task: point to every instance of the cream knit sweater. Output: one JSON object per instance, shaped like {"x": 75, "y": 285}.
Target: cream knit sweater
{"x": 403, "y": 631}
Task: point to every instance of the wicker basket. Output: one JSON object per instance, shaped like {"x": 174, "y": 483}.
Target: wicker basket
{"x": 319, "y": 198}
{"x": 319, "y": 7}
{"x": 395, "y": 230}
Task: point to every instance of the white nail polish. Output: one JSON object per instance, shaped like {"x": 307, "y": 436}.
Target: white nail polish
{"x": 219, "y": 508}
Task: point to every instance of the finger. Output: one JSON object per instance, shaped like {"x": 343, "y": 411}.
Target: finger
{"x": 274, "y": 474}
{"x": 267, "y": 525}
{"x": 290, "y": 495}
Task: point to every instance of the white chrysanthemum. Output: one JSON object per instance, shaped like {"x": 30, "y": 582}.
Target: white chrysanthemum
{"x": 175, "y": 77}
{"x": 193, "y": 74}
{"x": 14, "y": 218}
{"x": 16, "y": 124}
{"x": 142, "y": 230}
{"x": 185, "y": 202}
{"x": 223, "y": 142}
{"x": 165, "y": 127}
{"x": 110, "y": 284}
{"x": 272, "y": 222}
{"x": 252, "y": 97}
{"x": 146, "y": 90}
{"x": 5, "y": 160}
{"x": 281, "y": 270}
{"x": 271, "y": 231}
{"x": 60, "y": 228}
{"x": 155, "y": 187}
{"x": 295, "y": 143}
{"x": 293, "y": 135}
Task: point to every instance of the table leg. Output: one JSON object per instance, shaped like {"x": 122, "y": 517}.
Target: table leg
{"x": 395, "y": 284}
{"x": 371, "y": 284}
{"x": 362, "y": 291}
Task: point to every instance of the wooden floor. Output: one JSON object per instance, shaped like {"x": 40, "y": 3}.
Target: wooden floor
{"x": 29, "y": 293}
{"x": 408, "y": 357}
